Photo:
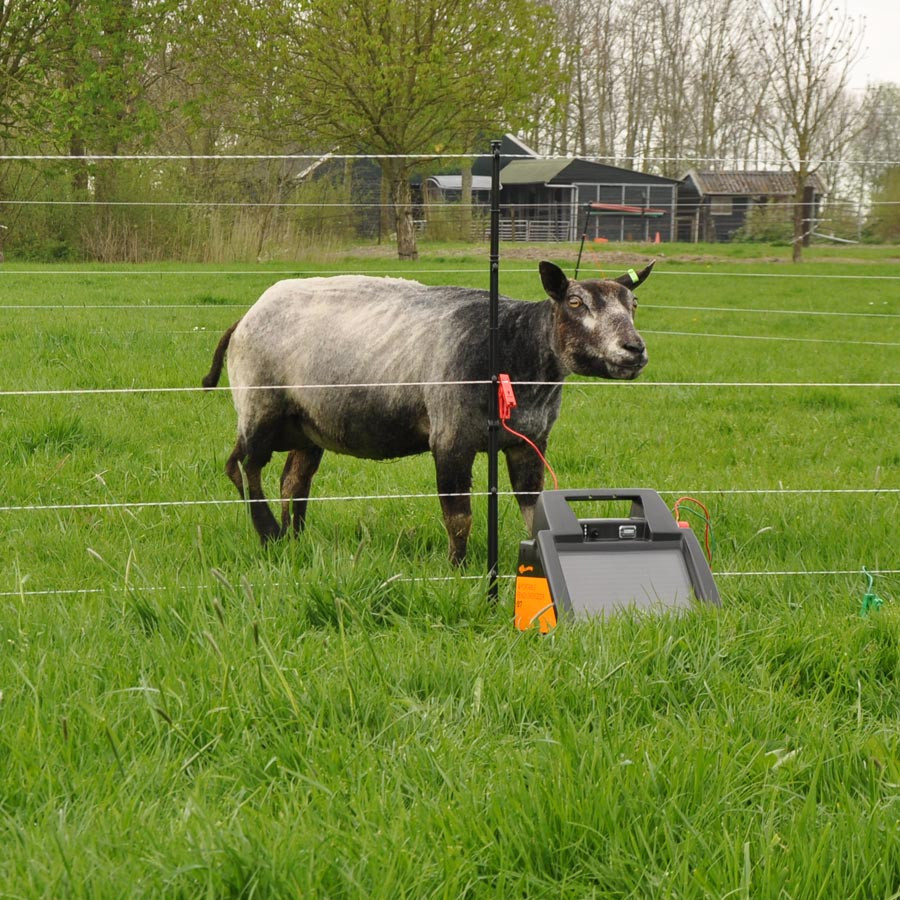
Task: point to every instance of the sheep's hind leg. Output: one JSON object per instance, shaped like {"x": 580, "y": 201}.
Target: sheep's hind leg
{"x": 263, "y": 520}
{"x": 299, "y": 469}
{"x": 233, "y": 467}
{"x": 243, "y": 470}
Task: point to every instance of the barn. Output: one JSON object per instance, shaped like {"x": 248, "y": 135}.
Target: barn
{"x": 561, "y": 199}
{"x": 712, "y": 206}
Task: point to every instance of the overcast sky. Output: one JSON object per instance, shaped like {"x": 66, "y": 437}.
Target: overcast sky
{"x": 880, "y": 57}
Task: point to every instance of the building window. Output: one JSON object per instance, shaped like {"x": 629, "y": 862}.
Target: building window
{"x": 720, "y": 206}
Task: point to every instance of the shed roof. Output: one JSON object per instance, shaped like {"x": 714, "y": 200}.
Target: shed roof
{"x": 564, "y": 172}
{"x": 749, "y": 183}
{"x": 511, "y": 148}
{"x": 532, "y": 171}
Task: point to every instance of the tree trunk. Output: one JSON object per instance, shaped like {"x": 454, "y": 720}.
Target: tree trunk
{"x": 797, "y": 244}
{"x": 401, "y": 198}
{"x": 79, "y": 173}
{"x": 384, "y": 207}
{"x": 347, "y": 196}
{"x": 809, "y": 221}
{"x": 465, "y": 203}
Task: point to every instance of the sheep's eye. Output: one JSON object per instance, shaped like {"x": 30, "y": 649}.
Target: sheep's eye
{"x": 574, "y": 302}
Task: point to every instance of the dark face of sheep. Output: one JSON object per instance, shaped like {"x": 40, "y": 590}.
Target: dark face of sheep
{"x": 594, "y": 324}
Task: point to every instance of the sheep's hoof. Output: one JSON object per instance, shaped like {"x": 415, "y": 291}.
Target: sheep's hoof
{"x": 457, "y": 558}
{"x": 268, "y": 537}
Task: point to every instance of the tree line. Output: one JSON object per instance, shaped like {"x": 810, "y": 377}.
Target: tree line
{"x": 259, "y": 103}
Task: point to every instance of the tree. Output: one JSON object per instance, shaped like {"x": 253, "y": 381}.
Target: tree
{"x": 574, "y": 60}
{"x": 673, "y": 35}
{"x": 808, "y": 53}
{"x": 23, "y": 28}
{"x": 407, "y": 78}
{"x": 653, "y": 84}
{"x": 723, "y": 110}
{"x": 105, "y": 55}
{"x": 24, "y": 25}
{"x": 876, "y": 146}
{"x": 629, "y": 72}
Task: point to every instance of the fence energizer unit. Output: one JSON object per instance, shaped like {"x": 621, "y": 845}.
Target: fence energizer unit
{"x": 584, "y": 567}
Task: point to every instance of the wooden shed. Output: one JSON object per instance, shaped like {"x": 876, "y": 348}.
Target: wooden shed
{"x": 547, "y": 199}
{"x": 712, "y": 206}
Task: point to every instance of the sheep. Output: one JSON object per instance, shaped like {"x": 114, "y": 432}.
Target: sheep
{"x": 381, "y": 368}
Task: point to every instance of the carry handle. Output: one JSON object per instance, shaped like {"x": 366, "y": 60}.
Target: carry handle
{"x": 554, "y": 511}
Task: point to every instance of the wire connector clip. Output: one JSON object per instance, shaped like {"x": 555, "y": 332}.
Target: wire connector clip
{"x": 506, "y": 397}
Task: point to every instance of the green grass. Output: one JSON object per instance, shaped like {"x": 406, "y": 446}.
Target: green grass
{"x": 183, "y": 713}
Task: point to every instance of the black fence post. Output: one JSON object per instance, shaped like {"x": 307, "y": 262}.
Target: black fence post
{"x": 493, "y": 368}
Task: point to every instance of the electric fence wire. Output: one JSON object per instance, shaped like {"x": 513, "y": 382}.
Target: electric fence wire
{"x": 358, "y": 498}
{"x": 319, "y": 204}
{"x": 400, "y": 577}
{"x": 608, "y": 385}
{"x": 436, "y": 157}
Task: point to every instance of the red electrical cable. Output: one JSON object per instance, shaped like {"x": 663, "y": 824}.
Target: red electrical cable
{"x": 507, "y": 402}
{"x": 534, "y": 447}
{"x": 706, "y": 535}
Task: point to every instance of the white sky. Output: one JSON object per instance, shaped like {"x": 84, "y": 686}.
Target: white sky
{"x": 880, "y": 56}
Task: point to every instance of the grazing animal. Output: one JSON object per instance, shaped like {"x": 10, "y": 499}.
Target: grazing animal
{"x": 371, "y": 367}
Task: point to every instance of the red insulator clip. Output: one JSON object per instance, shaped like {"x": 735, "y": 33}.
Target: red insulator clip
{"x": 506, "y": 398}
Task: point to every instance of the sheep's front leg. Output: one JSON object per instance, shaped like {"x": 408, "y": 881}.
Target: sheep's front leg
{"x": 526, "y": 475}
{"x": 454, "y": 481}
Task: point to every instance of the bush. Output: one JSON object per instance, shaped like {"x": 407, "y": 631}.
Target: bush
{"x": 884, "y": 220}
{"x": 131, "y": 212}
{"x": 766, "y": 223}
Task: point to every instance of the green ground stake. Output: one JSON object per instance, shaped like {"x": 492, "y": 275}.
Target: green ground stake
{"x": 870, "y": 601}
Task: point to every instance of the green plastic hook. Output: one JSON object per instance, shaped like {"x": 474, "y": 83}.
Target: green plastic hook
{"x": 870, "y": 600}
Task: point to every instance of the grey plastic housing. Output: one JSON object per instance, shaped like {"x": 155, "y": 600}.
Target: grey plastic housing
{"x": 596, "y": 566}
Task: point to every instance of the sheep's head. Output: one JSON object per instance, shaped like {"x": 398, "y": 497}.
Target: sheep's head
{"x": 594, "y": 331}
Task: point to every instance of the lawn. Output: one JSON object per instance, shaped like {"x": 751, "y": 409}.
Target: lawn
{"x": 185, "y": 713}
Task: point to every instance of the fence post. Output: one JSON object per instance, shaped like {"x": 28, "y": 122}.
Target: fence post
{"x": 493, "y": 368}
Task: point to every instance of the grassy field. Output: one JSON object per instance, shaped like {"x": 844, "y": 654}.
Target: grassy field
{"x": 185, "y": 714}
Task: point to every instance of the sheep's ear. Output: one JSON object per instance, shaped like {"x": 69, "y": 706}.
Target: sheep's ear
{"x": 632, "y": 279}
{"x": 555, "y": 282}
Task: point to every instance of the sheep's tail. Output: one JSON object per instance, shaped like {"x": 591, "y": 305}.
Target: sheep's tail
{"x": 211, "y": 379}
